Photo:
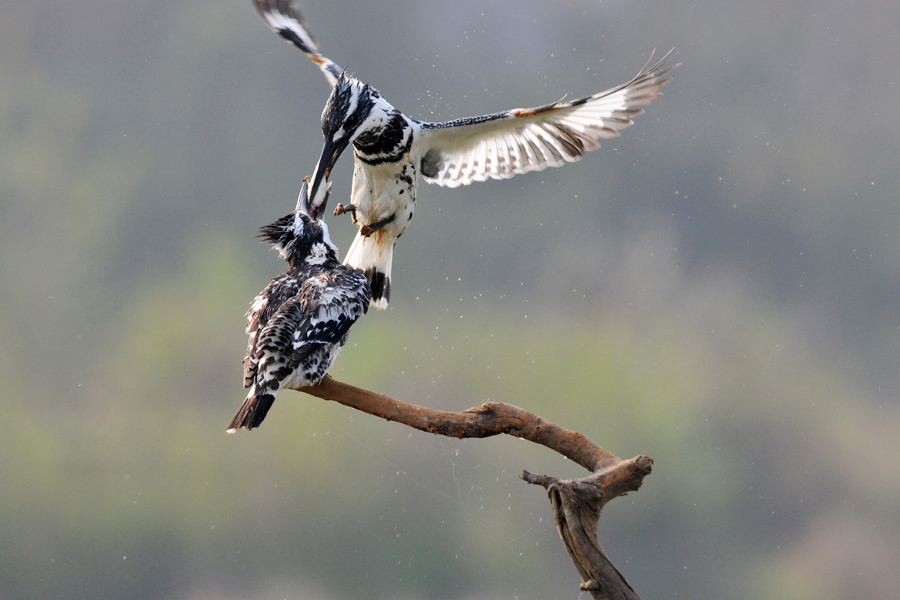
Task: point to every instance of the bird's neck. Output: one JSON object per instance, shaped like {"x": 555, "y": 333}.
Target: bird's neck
{"x": 389, "y": 141}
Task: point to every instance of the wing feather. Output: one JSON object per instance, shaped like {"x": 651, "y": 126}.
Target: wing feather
{"x": 505, "y": 144}
{"x": 285, "y": 19}
{"x": 263, "y": 307}
{"x": 514, "y": 149}
{"x": 318, "y": 313}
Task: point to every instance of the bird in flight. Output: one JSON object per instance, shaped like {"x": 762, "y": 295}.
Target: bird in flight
{"x": 392, "y": 151}
{"x": 300, "y": 321}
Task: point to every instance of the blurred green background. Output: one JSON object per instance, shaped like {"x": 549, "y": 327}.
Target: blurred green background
{"x": 719, "y": 288}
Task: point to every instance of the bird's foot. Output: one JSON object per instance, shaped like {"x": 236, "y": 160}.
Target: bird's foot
{"x": 344, "y": 208}
{"x": 368, "y": 230}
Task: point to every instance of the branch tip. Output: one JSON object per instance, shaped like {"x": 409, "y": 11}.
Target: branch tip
{"x": 543, "y": 480}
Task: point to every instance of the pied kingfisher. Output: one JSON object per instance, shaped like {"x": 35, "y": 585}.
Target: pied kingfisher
{"x": 391, "y": 150}
{"x": 300, "y": 321}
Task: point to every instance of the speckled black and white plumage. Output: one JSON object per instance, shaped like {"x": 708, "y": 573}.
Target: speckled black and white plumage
{"x": 391, "y": 150}
{"x": 300, "y": 321}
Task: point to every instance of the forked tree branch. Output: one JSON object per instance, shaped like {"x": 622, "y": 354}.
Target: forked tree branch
{"x": 576, "y": 502}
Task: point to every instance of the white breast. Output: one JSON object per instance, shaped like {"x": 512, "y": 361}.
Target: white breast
{"x": 380, "y": 191}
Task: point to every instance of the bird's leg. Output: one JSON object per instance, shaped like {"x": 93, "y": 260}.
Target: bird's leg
{"x": 368, "y": 230}
{"x": 341, "y": 209}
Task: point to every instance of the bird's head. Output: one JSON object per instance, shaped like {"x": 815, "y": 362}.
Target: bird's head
{"x": 353, "y": 109}
{"x": 298, "y": 237}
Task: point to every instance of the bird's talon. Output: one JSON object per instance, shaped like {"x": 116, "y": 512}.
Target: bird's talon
{"x": 368, "y": 230}
{"x": 340, "y": 209}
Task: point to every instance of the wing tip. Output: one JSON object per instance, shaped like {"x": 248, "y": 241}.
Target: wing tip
{"x": 301, "y": 38}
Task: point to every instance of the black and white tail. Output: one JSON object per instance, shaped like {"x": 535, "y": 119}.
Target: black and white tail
{"x": 252, "y": 411}
{"x": 373, "y": 255}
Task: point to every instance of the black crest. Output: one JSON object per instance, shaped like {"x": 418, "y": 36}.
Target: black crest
{"x": 298, "y": 238}
{"x": 340, "y": 110}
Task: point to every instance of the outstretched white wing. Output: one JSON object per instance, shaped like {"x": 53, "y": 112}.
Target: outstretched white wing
{"x": 285, "y": 20}
{"x": 505, "y": 144}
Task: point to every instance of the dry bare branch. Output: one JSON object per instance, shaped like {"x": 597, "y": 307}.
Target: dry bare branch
{"x": 576, "y": 502}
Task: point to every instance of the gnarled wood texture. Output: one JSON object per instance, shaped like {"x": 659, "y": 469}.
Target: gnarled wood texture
{"x": 576, "y": 503}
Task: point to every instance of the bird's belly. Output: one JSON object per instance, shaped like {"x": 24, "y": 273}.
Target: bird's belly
{"x": 385, "y": 194}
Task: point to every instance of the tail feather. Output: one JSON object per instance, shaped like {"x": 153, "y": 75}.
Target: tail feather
{"x": 252, "y": 412}
{"x": 373, "y": 256}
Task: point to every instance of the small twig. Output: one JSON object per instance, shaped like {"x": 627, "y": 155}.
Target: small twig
{"x": 576, "y": 502}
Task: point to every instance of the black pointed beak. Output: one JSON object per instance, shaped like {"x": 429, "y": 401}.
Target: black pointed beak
{"x": 318, "y": 193}
{"x": 303, "y": 199}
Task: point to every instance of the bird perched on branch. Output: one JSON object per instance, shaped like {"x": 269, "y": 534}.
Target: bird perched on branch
{"x": 300, "y": 321}
{"x": 392, "y": 150}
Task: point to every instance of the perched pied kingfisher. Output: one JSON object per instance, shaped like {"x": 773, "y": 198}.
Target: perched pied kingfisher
{"x": 391, "y": 150}
{"x": 300, "y": 321}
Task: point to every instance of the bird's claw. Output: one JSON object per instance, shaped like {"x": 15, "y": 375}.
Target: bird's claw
{"x": 341, "y": 209}
{"x": 368, "y": 230}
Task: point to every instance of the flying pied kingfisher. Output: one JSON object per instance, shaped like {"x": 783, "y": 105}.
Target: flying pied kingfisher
{"x": 300, "y": 321}
{"x": 391, "y": 150}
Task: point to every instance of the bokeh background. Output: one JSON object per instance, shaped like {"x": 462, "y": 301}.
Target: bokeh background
{"x": 719, "y": 288}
